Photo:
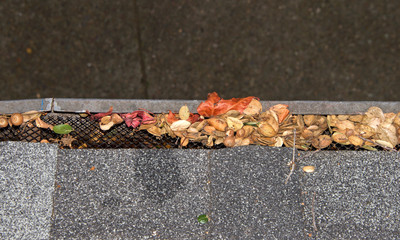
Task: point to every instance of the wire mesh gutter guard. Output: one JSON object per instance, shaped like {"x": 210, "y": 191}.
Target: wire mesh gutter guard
{"x": 87, "y": 133}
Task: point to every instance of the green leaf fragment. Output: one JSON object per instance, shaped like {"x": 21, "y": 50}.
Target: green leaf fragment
{"x": 254, "y": 124}
{"x": 202, "y": 219}
{"x": 62, "y": 129}
{"x": 369, "y": 148}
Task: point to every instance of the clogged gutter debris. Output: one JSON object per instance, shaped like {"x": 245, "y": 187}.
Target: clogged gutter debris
{"x": 242, "y": 121}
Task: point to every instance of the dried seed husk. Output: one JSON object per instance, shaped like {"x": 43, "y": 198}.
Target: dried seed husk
{"x": 146, "y": 126}
{"x": 234, "y": 123}
{"x": 248, "y": 130}
{"x": 279, "y": 142}
{"x": 3, "y": 122}
{"x": 217, "y": 123}
{"x": 209, "y": 129}
{"x": 375, "y": 112}
{"x": 321, "y": 142}
{"x": 340, "y": 138}
{"x": 242, "y": 142}
{"x": 210, "y": 141}
{"x": 218, "y": 133}
{"x": 116, "y": 118}
{"x": 266, "y": 129}
{"x": 184, "y": 113}
{"x": 16, "y": 119}
{"x": 356, "y": 118}
{"x": 191, "y": 129}
{"x": 200, "y": 125}
{"x": 180, "y": 134}
{"x": 321, "y": 122}
{"x": 364, "y": 130}
{"x": 41, "y": 124}
{"x": 253, "y": 108}
{"x": 307, "y": 134}
{"x": 384, "y": 143}
{"x": 229, "y": 141}
{"x": 230, "y": 133}
{"x": 342, "y": 117}
{"x": 396, "y": 120}
{"x": 356, "y": 141}
{"x": 267, "y": 115}
{"x": 232, "y": 113}
{"x": 105, "y": 120}
{"x": 309, "y": 119}
{"x": 240, "y": 133}
{"x": 107, "y": 126}
{"x": 180, "y": 125}
{"x": 344, "y": 124}
{"x": 308, "y": 169}
{"x": 156, "y": 131}
{"x": 387, "y": 134}
{"x": 31, "y": 115}
{"x": 219, "y": 140}
{"x": 184, "y": 141}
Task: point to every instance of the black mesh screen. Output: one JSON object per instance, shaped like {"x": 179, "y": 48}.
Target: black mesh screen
{"x": 87, "y": 134}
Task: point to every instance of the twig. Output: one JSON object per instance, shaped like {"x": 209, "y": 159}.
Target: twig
{"x": 313, "y": 214}
{"x": 293, "y": 162}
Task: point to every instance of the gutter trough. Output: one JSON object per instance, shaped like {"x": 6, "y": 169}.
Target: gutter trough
{"x": 52, "y": 193}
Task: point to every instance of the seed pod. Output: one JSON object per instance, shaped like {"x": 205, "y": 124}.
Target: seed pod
{"x": 356, "y": 141}
{"x": 180, "y": 125}
{"x": 340, "y": 138}
{"x": 234, "y": 123}
{"x": 240, "y": 133}
{"x": 105, "y": 120}
{"x": 253, "y": 108}
{"x": 209, "y": 129}
{"x": 116, "y": 118}
{"x": 3, "y": 122}
{"x": 248, "y": 130}
{"x": 266, "y": 129}
{"x": 322, "y": 141}
{"x": 308, "y": 169}
{"x": 217, "y": 123}
{"x": 229, "y": 141}
{"x": 230, "y": 133}
{"x": 184, "y": 113}
{"x": 309, "y": 119}
{"x": 16, "y": 119}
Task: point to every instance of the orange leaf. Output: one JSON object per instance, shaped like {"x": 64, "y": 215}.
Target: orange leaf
{"x": 280, "y": 110}
{"x": 214, "y": 105}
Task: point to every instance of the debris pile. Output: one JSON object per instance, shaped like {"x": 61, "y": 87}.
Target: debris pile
{"x": 242, "y": 121}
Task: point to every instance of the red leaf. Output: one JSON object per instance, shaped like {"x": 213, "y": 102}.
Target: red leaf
{"x": 136, "y": 118}
{"x": 171, "y": 117}
{"x": 193, "y": 118}
{"x": 214, "y": 105}
{"x": 98, "y": 116}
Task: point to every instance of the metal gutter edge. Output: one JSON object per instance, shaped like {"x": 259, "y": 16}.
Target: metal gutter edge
{"x": 161, "y": 105}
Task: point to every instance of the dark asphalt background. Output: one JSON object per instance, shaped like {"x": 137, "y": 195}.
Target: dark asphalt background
{"x": 276, "y": 50}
